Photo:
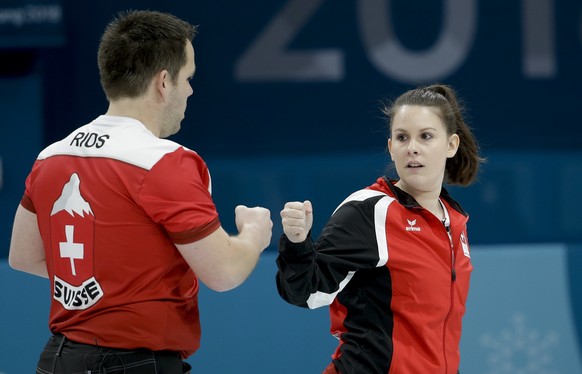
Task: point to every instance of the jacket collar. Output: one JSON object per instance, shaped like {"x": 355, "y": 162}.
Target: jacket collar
{"x": 409, "y": 202}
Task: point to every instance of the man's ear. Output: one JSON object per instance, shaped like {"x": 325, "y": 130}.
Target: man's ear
{"x": 453, "y": 146}
{"x": 161, "y": 84}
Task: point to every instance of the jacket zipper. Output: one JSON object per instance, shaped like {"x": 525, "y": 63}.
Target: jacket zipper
{"x": 453, "y": 271}
{"x": 453, "y": 279}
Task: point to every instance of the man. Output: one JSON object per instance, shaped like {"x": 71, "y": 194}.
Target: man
{"x": 122, "y": 221}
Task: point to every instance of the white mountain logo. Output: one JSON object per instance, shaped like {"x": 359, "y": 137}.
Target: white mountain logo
{"x": 71, "y": 199}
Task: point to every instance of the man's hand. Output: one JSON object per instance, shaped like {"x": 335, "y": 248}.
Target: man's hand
{"x": 256, "y": 222}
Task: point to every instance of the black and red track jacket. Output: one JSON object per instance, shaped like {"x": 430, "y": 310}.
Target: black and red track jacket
{"x": 395, "y": 280}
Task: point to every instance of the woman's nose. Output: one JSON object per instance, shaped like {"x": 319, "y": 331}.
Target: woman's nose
{"x": 412, "y": 147}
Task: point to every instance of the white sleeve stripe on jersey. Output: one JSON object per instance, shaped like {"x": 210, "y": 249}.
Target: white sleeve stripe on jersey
{"x": 380, "y": 213}
{"x": 360, "y": 195}
{"x": 319, "y": 299}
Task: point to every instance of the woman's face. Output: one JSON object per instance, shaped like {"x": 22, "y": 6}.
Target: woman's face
{"x": 419, "y": 146}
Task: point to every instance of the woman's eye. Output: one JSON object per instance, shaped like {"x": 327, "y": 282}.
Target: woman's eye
{"x": 426, "y": 136}
{"x": 401, "y": 137}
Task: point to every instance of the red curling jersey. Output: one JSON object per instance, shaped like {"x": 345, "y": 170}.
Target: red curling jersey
{"x": 396, "y": 280}
{"x": 111, "y": 200}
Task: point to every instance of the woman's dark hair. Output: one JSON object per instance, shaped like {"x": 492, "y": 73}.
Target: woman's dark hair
{"x": 137, "y": 45}
{"x": 462, "y": 169}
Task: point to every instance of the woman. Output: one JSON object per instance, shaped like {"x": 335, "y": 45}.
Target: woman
{"x": 393, "y": 261}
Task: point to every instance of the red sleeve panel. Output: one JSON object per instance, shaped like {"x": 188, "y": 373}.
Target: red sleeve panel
{"x": 176, "y": 193}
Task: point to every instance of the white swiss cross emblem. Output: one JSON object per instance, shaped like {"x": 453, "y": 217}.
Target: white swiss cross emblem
{"x": 71, "y": 249}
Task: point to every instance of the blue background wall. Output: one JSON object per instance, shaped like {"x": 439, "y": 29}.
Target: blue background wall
{"x": 286, "y": 106}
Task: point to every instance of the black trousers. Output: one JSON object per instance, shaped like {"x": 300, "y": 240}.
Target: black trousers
{"x": 62, "y": 356}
